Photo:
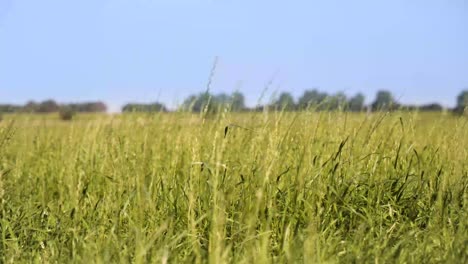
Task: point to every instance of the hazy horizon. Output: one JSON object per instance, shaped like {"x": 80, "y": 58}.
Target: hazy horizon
{"x": 268, "y": 98}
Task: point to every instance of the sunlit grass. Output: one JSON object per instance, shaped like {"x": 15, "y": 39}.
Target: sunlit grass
{"x": 267, "y": 187}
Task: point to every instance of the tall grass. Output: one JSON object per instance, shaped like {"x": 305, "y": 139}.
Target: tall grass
{"x": 270, "y": 187}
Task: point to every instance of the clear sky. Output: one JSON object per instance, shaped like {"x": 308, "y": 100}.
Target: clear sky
{"x": 145, "y": 50}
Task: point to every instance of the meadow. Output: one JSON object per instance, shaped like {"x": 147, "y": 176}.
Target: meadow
{"x": 268, "y": 187}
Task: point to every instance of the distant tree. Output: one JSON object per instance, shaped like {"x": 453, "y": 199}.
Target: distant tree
{"x": 462, "y": 102}
{"x": 8, "y": 108}
{"x": 148, "y": 108}
{"x": 189, "y": 103}
{"x": 411, "y": 108}
{"x": 335, "y": 101}
{"x": 88, "y": 107}
{"x": 212, "y": 103}
{"x": 200, "y": 102}
{"x": 220, "y": 100}
{"x": 94, "y": 107}
{"x": 258, "y": 108}
{"x": 356, "y": 103}
{"x": 433, "y": 107}
{"x": 285, "y": 101}
{"x": 384, "y": 101}
{"x": 30, "y": 107}
{"x": 48, "y": 106}
{"x": 66, "y": 113}
{"x": 311, "y": 98}
{"x": 462, "y": 99}
{"x": 238, "y": 101}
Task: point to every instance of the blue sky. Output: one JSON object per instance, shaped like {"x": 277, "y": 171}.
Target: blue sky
{"x": 145, "y": 50}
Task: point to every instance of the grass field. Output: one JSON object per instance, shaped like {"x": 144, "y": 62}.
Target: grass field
{"x": 235, "y": 188}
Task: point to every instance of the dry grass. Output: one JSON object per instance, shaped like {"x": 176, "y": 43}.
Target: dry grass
{"x": 235, "y": 188}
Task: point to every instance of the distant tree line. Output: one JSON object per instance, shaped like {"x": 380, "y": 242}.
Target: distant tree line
{"x": 195, "y": 103}
{"x": 310, "y": 99}
{"x": 50, "y": 106}
{"x": 153, "y": 107}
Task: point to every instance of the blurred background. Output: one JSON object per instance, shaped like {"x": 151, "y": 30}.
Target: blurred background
{"x": 169, "y": 51}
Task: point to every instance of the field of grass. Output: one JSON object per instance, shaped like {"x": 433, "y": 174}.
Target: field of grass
{"x": 235, "y": 188}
